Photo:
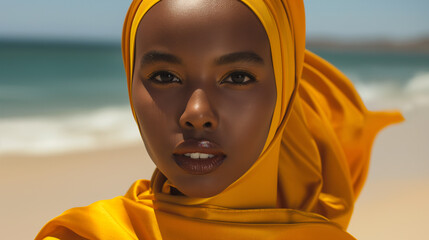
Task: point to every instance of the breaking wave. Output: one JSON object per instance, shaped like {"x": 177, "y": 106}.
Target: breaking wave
{"x": 57, "y": 134}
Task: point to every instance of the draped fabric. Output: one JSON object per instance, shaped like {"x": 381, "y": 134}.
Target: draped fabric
{"x": 305, "y": 181}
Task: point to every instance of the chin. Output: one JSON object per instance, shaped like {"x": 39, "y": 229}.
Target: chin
{"x": 200, "y": 188}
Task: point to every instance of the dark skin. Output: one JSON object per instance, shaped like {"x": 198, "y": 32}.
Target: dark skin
{"x": 203, "y": 70}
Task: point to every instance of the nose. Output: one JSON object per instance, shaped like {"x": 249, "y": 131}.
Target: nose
{"x": 198, "y": 114}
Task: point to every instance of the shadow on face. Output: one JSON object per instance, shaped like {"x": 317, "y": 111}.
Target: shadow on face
{"x": 203, "y": 91}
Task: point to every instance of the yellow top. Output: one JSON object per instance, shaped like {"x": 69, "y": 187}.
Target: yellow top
{"x": 304, "y": 183}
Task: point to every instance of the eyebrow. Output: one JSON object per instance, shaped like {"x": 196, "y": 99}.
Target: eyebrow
{"x": 250, "y": 57}
{"x": 153, "y": 57}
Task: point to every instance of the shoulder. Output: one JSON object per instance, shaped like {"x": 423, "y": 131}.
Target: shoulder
{"x": 106, "y": 219}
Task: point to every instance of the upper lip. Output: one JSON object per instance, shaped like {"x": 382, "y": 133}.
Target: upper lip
{"x": 200, "y": 146}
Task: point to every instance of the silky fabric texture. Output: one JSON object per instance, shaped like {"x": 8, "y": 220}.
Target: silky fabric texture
{"x": 303, "y": 185}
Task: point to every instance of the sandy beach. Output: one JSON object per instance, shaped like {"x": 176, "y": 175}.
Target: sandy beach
{"x": 393, "y": 204}
{"x": 394, "y": 201}
{"x": 68, "y": 137}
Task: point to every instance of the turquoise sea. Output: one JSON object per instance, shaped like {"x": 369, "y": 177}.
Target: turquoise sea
{"x": 66, "y": 96}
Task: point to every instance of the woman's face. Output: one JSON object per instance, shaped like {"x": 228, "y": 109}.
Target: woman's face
{"x": 203, "y": 91}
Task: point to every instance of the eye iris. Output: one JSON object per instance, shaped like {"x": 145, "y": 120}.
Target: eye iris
{"x": 238, "y": 77}
{"x": 166, "y": 77}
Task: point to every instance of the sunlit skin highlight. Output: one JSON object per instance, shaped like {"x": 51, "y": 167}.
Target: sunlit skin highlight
{"x": 203, "y": 72}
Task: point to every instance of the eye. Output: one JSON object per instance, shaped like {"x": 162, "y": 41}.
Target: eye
{"x": 239, "y": 78}
{"x": 164, "y": 77}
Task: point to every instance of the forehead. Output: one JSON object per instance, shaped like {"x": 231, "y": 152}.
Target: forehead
{"x": 224, "y": 25}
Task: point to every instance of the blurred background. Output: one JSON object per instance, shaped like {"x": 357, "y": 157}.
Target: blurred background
{"x": 67, "y": 136}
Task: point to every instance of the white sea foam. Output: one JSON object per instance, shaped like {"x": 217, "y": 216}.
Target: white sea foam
{"x": 419, "y": 83}
{"x": 48, "y": 135}
{"x": 386, "y": 95}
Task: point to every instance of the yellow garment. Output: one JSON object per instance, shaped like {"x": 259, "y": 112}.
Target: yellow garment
{"x": 303, "y": 185}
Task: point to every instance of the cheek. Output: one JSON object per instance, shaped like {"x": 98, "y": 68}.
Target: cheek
{"x": 152, "y": 121}
{"x": 252, "y": 110}
{"x": 248, "y": 122}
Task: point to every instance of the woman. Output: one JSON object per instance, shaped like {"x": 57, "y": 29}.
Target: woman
{"x": 253, "y": 136}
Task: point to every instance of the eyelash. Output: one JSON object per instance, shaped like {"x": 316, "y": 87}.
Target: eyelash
{"x": 153, "y": 76}
{"x": 246, "y": 74}
{"x": 251, "y": 78}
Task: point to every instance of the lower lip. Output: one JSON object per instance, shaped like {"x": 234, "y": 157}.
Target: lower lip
{"x": 199, "y": 166}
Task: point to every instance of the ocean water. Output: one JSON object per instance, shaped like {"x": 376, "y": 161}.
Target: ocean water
{"x": 62, "y": 97}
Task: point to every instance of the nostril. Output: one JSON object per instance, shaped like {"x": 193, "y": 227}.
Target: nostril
{"x": 208, "y": 125}
{"x": 188, "y": 124}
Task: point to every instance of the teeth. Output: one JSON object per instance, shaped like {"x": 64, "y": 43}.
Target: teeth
{"x": 199, "y": 155}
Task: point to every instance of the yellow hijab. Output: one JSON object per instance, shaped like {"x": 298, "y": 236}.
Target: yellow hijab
{"x": 303, "y": 185}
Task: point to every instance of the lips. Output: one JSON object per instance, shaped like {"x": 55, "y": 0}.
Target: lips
{"x": 198, "y": 157}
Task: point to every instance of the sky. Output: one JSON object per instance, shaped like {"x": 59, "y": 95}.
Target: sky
{"x": 101, "y": 20}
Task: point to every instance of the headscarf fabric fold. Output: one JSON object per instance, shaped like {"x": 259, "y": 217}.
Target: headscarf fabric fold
{"x": 305, "y": 181}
